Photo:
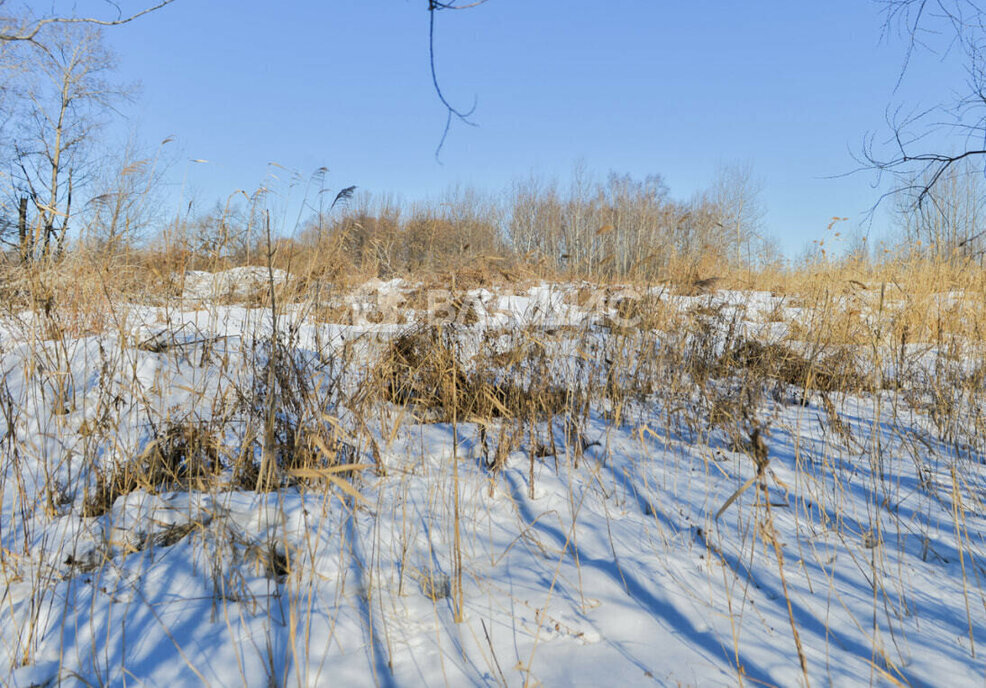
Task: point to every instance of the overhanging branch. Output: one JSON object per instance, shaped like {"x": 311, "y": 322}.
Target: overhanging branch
{"x": 31, "y": 32}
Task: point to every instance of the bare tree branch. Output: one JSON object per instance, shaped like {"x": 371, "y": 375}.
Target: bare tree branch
{"x": 451, "y": 112}
{"x": 30, "y": 32}
{"x": 940, "y": 27}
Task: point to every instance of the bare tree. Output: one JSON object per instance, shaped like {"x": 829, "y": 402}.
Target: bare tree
{"x": 65, "y": 98}
{"x": 535, "y": 207}
{"x": 949, "y": 226}
{"x": 938, "y": 26}
{"x": 739, "y": 209}
{"x": 125, "y": 198}
{"x": 622, "y": 227}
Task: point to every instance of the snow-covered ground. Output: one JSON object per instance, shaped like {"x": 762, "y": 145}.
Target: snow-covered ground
{"x": 631, "y": 541}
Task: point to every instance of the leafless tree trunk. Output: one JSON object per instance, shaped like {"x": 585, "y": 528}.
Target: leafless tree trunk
{"x": 65, "y": 98}
{"x": 22, "y": 238}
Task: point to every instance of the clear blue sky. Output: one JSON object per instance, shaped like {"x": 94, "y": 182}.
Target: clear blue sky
{"x": 636, "y": 86}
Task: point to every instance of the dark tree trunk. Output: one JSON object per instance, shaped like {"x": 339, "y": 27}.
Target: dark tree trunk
{"x": 22, "y": 228}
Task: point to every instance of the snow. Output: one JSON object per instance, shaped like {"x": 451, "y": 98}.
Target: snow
{"x": 233, "y": 283}
{"x": 615, "y": 572}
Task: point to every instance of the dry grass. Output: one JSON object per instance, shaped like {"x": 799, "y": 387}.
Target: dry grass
{"x": 184, "y": 456}
{"x": 894, "y": 334}
{"x": 423, "y": 369}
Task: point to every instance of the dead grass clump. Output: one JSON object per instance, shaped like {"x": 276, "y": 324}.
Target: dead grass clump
{"x": 423, "y": 369}
{"x": 248, "y": 296}
{"x": 835, "y": 372}
{"x": 335, "y": 313}
{"x": 314, "y": 448}
{"x": 475, "y": 275}
{"x": 453, "y": 308}
{"x": 699, "y": 286}
{"x": 645, "y": 313}
{"x": 506, "y": 400}
{"x": 581, "y": 296}
{"x": 465, "y": 311}
{"x": 184, "y": 456}
{"x": 420, "y": 368}
{"x": 288, "y": 433}
{"x": 72, "y": 299}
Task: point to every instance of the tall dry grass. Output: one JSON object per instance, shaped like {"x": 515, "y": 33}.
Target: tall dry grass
{"x": 905, "y": 336}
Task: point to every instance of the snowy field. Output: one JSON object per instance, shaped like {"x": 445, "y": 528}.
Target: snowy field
{"x": 199, "y": 493}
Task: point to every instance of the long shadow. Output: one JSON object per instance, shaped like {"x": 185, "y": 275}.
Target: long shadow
{"x": 562, "y": 589}
{"x": 805, "y": 619}
{"x": 660, "y": 610}
{"x": 452, "y": 629}
{"x": 99, "y": 642}
{"x": 377, "y": 652}
{"x": 859, "y": 489}
{"x": 863, "y": 491}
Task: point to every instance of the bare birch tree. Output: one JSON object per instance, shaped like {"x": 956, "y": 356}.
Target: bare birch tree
{"x": 739, "y": 210}
{"x": 67, "y": 94}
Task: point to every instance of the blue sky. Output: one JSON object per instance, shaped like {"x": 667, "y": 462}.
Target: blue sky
{"x": 634, "y": 86}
